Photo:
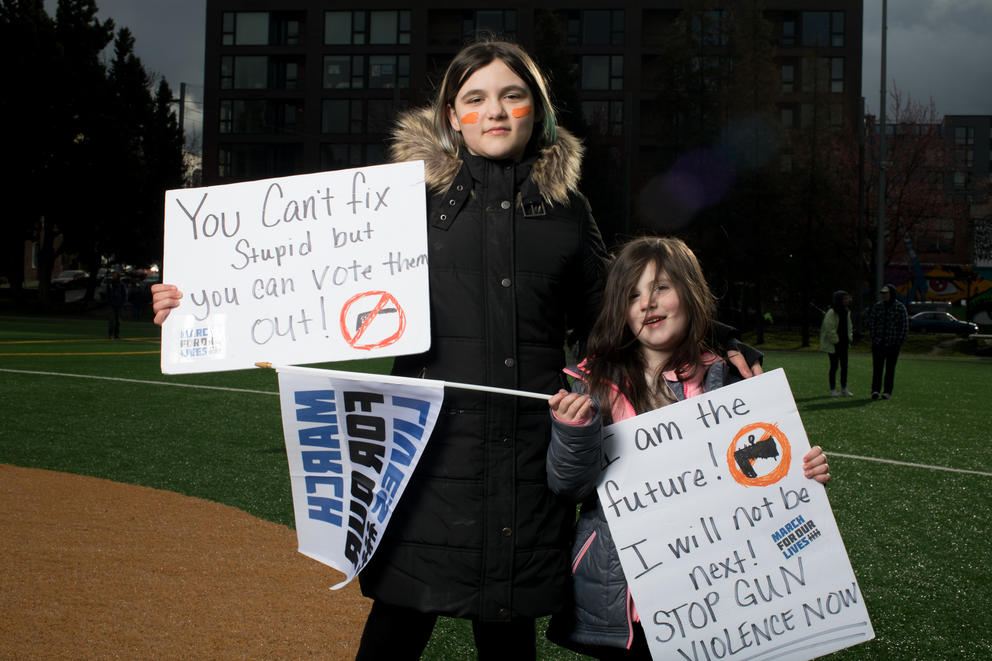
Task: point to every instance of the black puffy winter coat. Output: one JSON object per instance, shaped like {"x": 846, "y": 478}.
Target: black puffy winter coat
{"x": 516, "y": 260}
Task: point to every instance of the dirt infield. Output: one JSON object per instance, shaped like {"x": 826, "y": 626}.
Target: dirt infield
{"x": 93, "y": 569}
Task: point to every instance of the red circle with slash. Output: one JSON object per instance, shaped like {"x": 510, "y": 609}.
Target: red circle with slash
{"x": 380, "y": 306}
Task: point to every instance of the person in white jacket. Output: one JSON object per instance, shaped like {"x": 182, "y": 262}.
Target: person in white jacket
{"x": 836, "y": 335}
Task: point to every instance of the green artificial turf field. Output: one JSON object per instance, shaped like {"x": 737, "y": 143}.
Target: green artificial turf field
{"x": 911, "y": 475}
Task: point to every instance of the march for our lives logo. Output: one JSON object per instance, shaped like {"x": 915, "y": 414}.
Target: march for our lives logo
{"x": 198, "y": 343}
{"x": 795, "y": 536}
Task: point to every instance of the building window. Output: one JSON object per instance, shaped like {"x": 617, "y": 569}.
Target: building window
{"x": 389, "y": 27}
{"x": 344, "y": 71}
{"x": 224, "y": 163}
{"x": 788, "y": 33}
{"x": 595, "y": 27}
{"x": 226, "y": 117}
{"x": 939, "y": 237}
{"x": 382, "y": 72}
{"x": 256, "y": 72}
{"x": 244, "y": 72}
{"x": 499, "y": 22}
{"x": 788, "y": 78}
{"x": 247, "y": 161}
{"x": 248, "y": 116}
{"x": 787, "y": 116}
{"x": 242, "y": 116}
{"x": 964, "y": 135}
{"x": 343, "y": 156}
{"x": 245, "y": 28}
{"x": 357, "y": 28}
{"x": 837, "y": 29}
{"x": 711, "y": 27}
{"x": 823, "y": 74}
{"x": 836, "y": 115}
{"x": 654, "y": 25}
{"x": 836, "y": 74}
{"x": 341, "y": 116}
{"x": 602, "y": 72}
{"x": 822, "y": 28}
{"x": 338, "y": 28}
{"x": 259, "y": 28}
{"x": 604, "y": 116}
{"x": 357, "y": 116}
{"x": 286, "y": 29}
{"x": 964, "y": 146}
{"x": 389, "y": 71}
{"x": 286, "y": 73}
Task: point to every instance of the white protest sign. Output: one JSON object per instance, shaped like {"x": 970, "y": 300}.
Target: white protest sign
{"x": 352, "y": 442}
{"x": 303, "y": 269}
{"x": 729, "y": 551}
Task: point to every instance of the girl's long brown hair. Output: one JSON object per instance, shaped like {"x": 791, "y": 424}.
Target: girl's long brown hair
{"x": 614, "y": 351}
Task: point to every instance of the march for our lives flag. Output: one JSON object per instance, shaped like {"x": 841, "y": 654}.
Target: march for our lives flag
{"x": 352, "y": 440}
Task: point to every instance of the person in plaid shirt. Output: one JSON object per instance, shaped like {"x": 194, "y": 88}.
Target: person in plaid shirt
{"x": 888, "y": 324}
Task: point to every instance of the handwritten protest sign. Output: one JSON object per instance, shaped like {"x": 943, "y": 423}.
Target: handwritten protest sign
{"x": 352, "y": 441}
{"x": 729, "y": 551}
{"x": 302, "y": 269}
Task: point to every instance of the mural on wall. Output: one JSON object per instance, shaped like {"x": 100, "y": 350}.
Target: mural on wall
{"x": 946, "y": 283}
{"x": 983, "y": 244}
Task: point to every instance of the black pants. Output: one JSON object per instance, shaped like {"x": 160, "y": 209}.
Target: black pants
{"x": 883, "y": 358}
{"x": 114, "y": 322}
{"x": 838, "y": 358}
{"x": 401, "y": 634}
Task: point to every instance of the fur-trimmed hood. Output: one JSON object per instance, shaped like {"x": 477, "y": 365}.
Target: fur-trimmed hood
{"x": 556, "y": 171}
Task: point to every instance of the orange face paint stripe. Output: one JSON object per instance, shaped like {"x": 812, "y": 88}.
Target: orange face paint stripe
{"x": 470, "y": 118}
{"x": 522, "y": 111}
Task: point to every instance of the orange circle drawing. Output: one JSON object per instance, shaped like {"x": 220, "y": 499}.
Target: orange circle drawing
{"x": 740, "y": 461}
{"x": 381, "y": 300}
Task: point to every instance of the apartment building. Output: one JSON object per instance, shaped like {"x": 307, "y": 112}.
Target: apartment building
{"x": 309, "y": 85}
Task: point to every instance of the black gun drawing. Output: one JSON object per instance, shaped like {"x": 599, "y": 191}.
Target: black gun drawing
{"x": 362, "y": 316}
{"x": 745, "y": 456}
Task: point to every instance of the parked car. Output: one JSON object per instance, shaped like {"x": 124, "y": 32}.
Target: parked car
{"x": 940, "y": 322}
{"x": 72, "y": 279}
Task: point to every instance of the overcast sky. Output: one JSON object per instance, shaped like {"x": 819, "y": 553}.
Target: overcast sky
{"x": 938, "y": 49}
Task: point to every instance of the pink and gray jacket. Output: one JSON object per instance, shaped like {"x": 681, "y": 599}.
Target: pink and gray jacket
{"x": 602, "y": 612}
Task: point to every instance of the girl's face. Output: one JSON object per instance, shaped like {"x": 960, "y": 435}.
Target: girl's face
{"x": 655, "y": 314}
{"x": 494, "y": 112}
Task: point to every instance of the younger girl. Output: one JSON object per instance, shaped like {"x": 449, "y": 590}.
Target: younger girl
{"x": 648, "y": 348}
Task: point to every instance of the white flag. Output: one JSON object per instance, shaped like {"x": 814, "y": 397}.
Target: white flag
{"x": 353, "y": 441}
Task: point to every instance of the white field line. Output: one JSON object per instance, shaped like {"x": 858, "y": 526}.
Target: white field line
{"x": 151, "y": 383}
{"x": 907, "y": 463}
{"x": 892, "y": 462}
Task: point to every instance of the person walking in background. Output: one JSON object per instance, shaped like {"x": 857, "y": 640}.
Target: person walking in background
{"x": 647, "y": 349}
{"x": 116, "y": 298}
{"x": 888, "y": 324}
{"x": 836, "y": 334}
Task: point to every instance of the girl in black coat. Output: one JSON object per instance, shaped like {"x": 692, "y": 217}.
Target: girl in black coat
{"x": 516, "y": 262}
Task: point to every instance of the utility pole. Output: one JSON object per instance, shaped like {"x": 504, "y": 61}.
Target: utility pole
{"x": 882, "y": 164}
{"x": 182, "y": 112}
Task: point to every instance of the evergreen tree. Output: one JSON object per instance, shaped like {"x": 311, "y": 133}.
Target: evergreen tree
{"x": 28, "y": 108}
{"x": 80, "y": 82}
{"x": 93, "y": 149}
